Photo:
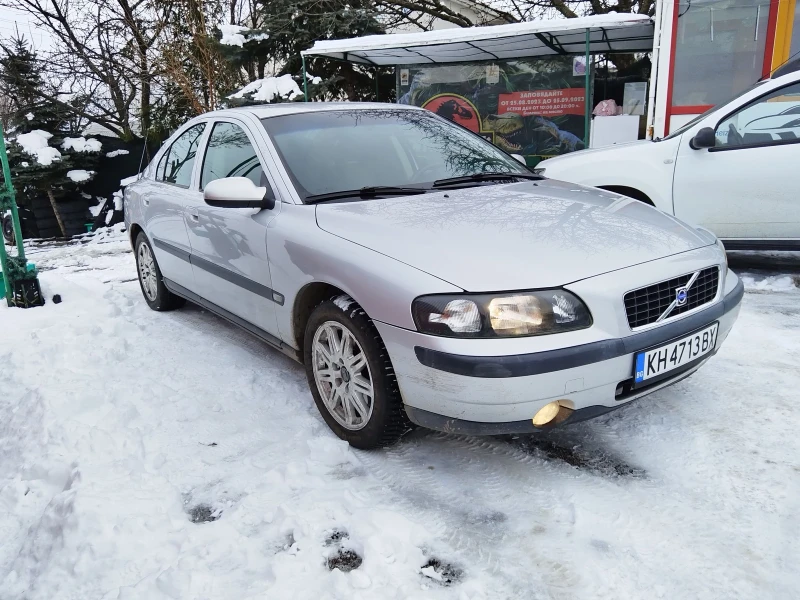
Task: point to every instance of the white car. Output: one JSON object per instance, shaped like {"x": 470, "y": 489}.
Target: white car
{"x": 732, "y": 170}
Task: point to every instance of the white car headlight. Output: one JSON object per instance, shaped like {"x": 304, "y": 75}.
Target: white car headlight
{"x": 539, "y": 312}
{"x": 724, "y": 253}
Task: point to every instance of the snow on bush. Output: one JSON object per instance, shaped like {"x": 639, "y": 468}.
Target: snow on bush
{"x": 80, "y": 175}
{"x": 35, "y": 144}
{"x": 81, "y": 144}
{"x": 269, "y": 88}
{"x": 236, "y": 35}
{"x": 116, "y": 153}
{"x": 232, "y": 35}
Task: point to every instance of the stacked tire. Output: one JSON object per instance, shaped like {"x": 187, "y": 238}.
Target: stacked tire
{"x": 74, "y": 214}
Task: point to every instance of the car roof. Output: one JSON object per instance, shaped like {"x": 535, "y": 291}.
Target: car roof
{"x": 262, "y": 111}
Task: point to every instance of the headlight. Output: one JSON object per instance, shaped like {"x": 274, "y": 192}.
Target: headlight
{"x": 501, "y": 315}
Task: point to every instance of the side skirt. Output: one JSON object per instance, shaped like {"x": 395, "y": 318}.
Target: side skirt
{"x": 264, "y": 336}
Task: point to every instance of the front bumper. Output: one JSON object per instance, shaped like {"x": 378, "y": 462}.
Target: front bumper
{"x": 496, "y": 394}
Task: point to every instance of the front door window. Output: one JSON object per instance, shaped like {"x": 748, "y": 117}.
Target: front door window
{"x": 772, "y": 119}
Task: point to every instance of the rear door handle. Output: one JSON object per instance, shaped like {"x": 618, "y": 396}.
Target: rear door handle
{"x": 146, "y": 201}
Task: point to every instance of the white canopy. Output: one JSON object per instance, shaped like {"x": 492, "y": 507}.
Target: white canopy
{"x": 608, "y": 33}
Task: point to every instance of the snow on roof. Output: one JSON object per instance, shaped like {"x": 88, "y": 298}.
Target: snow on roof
{"x": 608, "y": 33}
{"x": 267, "y": 89}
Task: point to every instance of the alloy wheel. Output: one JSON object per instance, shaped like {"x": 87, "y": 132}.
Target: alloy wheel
{"x": 147, "y": 272}
{"x": 342, "y": 375}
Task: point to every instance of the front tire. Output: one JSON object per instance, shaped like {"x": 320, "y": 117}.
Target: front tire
{"x": 351, "y": 376}
{"x": 155, "y": 293}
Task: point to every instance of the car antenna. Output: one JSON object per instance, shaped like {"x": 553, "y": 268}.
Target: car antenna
{"x": 790, "y": 65}
{"x": 141, "y": 160}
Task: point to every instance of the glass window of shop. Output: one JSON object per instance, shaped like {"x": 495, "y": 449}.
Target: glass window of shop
{"x": 719, "y": 50}
{"x": 795, "y": 47}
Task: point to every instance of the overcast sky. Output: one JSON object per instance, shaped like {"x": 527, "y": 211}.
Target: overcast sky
{"x": 11, "y": 18}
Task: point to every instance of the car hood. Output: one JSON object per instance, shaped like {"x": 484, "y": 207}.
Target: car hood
{"x": 512, "y": 236}
{"x": 624, "y": 147}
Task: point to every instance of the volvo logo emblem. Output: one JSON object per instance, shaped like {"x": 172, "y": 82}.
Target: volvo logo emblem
{"x": 681, "y": 295}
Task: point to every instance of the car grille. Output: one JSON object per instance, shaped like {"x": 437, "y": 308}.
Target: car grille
{"x": 647, "y": 305}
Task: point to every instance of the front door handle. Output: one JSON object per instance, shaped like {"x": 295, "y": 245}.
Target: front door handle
{"x": 195, "y": 215}
{"x": 146, "y": 201}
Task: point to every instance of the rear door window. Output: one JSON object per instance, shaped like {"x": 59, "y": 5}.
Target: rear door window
{"x": 179, "y": 159}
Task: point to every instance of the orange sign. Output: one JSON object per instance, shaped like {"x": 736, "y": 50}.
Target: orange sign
{"x": 543, "y": 103}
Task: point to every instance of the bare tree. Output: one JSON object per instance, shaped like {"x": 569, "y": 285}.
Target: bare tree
{"x": 422, "y": 13}
{"x": 190, "y": 57}
{"x": 104, "y": 52}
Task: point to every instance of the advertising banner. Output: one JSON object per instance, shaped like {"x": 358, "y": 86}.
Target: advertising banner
{"x": 533, "y": 107}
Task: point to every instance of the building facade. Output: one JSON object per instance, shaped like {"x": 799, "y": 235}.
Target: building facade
{"x": 707, "y": 51}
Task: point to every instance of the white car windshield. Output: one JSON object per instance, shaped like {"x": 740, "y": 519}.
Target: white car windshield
{"x": 331, "y": 151}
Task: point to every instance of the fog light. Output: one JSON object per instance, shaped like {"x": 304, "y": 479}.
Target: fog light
{"x": 553, "y": 413}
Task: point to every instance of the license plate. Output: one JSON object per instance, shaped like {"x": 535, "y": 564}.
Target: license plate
{"x": 666, "y": 358}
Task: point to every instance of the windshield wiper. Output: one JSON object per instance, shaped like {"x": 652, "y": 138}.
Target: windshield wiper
{"x": 484, "y": 177}
{"x": 365, "y": 192}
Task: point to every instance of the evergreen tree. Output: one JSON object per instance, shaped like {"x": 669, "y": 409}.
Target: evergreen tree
{"x": 40, "y": 153}
{"x": 294, "y": 25}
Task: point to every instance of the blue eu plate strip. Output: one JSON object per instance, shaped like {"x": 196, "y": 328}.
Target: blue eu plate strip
{"x": 639, "y": 367}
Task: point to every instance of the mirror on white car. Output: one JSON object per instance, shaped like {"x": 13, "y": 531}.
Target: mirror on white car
{"x": 705, "y": 138}
{"x": 236, "y": 192}
{"x": 520, "y": 158}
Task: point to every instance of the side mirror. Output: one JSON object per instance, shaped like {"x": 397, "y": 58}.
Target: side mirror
{"x": 236, "y": 192}
{"x": 704, "y": 138}
{"x": 520, "y": 158}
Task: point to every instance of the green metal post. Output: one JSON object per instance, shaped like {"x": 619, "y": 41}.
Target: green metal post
{"x": 588, "y": 108}
{"x": 305, "y": 78}
{"x": 377, "y": 92}
{"x": 10, "y": 192}
{"x": 19, "y": 278}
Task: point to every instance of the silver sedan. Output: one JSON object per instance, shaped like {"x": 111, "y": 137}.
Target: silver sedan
{"x": 422, "y": 275}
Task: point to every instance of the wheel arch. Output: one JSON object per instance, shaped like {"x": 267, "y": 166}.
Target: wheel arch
{"x": 629, "y": 191}
{"x": 306, "y": 300}
{"x": 133, "y": 231}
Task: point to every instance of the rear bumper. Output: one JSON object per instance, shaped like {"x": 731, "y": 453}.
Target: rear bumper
{"x": 487, "y": 395}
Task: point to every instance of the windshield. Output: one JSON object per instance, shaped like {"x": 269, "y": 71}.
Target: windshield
{"x": 331, "y": 151}
{"x": 691, "y": 123}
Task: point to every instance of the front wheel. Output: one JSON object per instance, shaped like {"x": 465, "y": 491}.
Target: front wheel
{"x": 351, "y": 376}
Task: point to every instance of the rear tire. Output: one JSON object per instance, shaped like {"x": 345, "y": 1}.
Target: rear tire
{"x": 155, "y": 293}
{"x": 8, "y": 229}
{"x": 345, "y": 358}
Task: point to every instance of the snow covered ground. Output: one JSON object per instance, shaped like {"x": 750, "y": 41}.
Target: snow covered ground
{"x": 156, "y": 456}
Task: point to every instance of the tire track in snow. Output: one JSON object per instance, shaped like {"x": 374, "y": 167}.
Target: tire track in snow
{"x": 474, "y": 494}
